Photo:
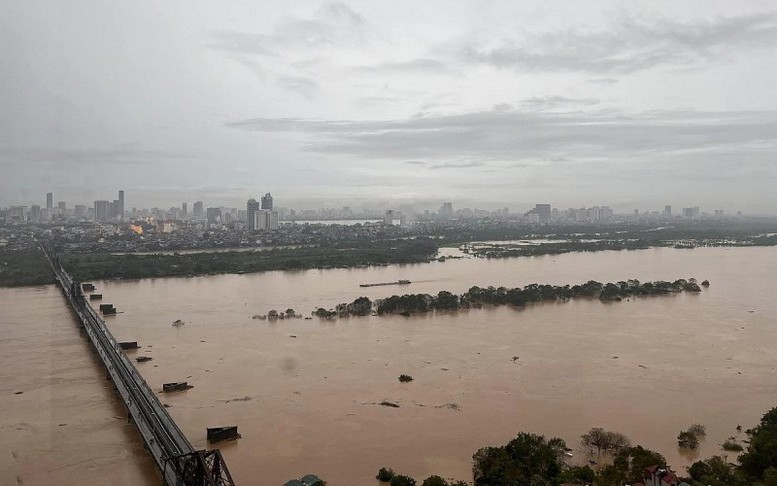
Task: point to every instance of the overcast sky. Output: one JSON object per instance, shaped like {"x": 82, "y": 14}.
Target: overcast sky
{"x": 483, "y": 103}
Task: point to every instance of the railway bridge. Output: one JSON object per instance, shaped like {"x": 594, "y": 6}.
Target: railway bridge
{"x": 179, "y": 462}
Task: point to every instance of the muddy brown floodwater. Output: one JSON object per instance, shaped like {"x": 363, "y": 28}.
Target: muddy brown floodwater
{"x": 305, "y": 393}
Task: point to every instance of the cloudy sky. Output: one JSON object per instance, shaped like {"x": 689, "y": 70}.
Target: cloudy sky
{"x": 388, "y": 104}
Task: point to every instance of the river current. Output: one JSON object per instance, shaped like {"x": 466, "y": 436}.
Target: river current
{"x": 305, "y": 393}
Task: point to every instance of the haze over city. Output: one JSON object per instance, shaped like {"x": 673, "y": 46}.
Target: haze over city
{"x": 391, "y": 104}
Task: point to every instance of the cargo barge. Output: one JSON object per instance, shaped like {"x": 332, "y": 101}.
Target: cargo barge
{"x": 398, "y": 282}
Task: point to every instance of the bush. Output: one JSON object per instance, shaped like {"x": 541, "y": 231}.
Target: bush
{"x": 689, "y": 439}
{"x": 405, "y": 378}
{"x": 400, "y": 480}
{"x": 385, "y": 474}
{"x": 732, "y": 446}
{"x": 434, "y": 481}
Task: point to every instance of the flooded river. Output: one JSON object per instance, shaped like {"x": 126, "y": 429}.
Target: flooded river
{"x": 305, "y": 393}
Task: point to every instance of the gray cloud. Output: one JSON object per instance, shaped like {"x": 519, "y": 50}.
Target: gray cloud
{"x": 333, "y": 24}
{"x": 420, "y": 65}
{"x": 515, "y": 134}
{"x": 77, "y": 156}
{"x": 305, "y": 87}
{"x": 628, "y": 46}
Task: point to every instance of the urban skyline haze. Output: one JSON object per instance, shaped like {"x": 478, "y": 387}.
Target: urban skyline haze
{"x": 374, "y": 104}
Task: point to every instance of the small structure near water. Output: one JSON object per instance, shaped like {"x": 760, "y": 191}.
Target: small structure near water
{"x": 217, "y": 434}
{"x": 176, "y": 386}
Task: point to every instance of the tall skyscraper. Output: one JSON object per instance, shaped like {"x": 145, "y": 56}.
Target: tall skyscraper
{"x": 252, "y": 210}
{"x": 49, "y": 200}
{"x": 668, "y": 210}
{"x": 266, "y": 220}
{"x": 267, "y": 202}
{"x": 120, "y": 206}
{"x": 35, "y": 213}
{"x": 80, "y": 211}
{"x": 101, "y": 210}
{"x": 184, "y": 212}
{"x": 62, "y": 207}
{"x": 198, "y": 210}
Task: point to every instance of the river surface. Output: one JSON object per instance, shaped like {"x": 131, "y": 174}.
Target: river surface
{"x": 305, "y": 393}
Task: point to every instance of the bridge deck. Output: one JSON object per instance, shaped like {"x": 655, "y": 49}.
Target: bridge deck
{"x": 179, "y": 462}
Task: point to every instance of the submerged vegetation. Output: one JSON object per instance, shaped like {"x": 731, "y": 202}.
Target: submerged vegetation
{"x": 475, "y": 297}
{"x": 532, "y": 460}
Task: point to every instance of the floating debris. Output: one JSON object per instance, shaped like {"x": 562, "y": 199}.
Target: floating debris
{"x": 450, "y": 406}
{"x": 143, "y": 359}
{"x": 178, "y": 323}
{"x": 386, "y": 403}
{"x": 405, "y": 378}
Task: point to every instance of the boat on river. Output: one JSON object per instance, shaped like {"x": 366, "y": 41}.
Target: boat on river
{"x": 398, "y": 282}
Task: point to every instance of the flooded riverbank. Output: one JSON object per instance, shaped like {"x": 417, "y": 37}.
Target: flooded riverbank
{"x": 61, "y": 422}
{"x": 305, "y": 393}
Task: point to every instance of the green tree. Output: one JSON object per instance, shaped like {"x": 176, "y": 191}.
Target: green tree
{"x": 400, "y": 480}
{"x": 629, "y": 466}
{"x": 761, "y": 453}
{"x": 715, "y": 472}
{"x": 522, "y": 462}
{"x": 434, "y": 481}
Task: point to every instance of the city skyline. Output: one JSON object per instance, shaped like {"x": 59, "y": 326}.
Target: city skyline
{"x": 333, "y": 103}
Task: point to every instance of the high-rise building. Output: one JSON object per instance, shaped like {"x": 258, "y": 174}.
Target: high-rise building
{"x": 691, "y": 212}
{"x": 80, "y": 211}
{"x": 543, "y": 212}
{"x": 35, "y": 213}
{"x": 252, "y": 208}
{"x": 49, "y": 200}
{"x": 120, "y": 206}
{"x": 267, "y": 202}
{"x": 668, "y": 210}
{"x": 446, "y": 210}
{"x": 198, "y": 210}
{"x": 62, "y": 207}
{"x": 184, "y": 210}
{"x": 266, "y": 220}
{"x": 388, "y": 218}
{"x": 214, "y": 215}
{"x": 101, "y": 210}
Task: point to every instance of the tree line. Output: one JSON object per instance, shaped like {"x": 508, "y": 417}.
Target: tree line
{"x": 476, "y": 297}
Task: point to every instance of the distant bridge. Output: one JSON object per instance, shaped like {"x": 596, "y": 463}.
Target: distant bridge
{"x": 180, "y": 463}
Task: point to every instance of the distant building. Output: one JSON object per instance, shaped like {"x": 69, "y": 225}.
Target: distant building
{"x": 119, "y": 209}
{"x": 668, "y": 211}
{"x": 198, "y": 210}
{"x": 267, "y": 202}
{"x": 80, "y": 211}
{"x": 388, "y": 218}
{"x": 691, "y": 212}
{"x": 446, "y": 210}
{"x": 265, "y": 220}
{"x": 101, "y": 210}
{"x": 49, "y": 200}
{"x": 543, "y": 212}
{"x": 213, "y": 215}
{"x": 184, "y": 210}
{"x": 35, "y": 213}
{"x": 252, "y": 208}
{"x": 62, "y": 207}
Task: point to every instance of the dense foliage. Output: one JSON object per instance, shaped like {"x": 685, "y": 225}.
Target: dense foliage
{"x": 24, "y": 267}
{"x": 476, "y": 297}
{"x": 527, "y": 460}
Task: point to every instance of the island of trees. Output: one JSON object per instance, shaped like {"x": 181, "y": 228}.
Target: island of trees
{"x": 476, "y": 297}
